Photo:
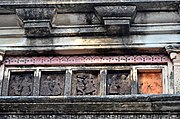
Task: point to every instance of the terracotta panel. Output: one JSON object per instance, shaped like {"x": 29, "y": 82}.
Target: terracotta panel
{"x": 150, "y": 83}
{"x": 52, "y": 83}
{"x": 118, "y": 83}
{"x": 21, "y": 84}
{"x": 85, "y": 83}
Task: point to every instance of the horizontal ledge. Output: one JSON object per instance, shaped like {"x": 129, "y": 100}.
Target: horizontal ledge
{"x": 88, "y": 5}
{"x": 88, "y": 42}
{"x": 91, "y": 104}
{"x": 78, "y": 30}
{"x": 81, "y": 1}
{"x": 155, "y": 29}
{"x": 74, "y": 99}
{"x": 94, "y": 30}
{"x": 85, "y": 50}
{"x": 155, "y": 24}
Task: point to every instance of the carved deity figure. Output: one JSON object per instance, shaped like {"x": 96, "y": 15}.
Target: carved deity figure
{"x": 15, "y": 86}
{"x": 26, "y": 86}
{"x": 125, "y": 84}
{"x": 21, "y": 85}
{"x": 114, "y": 86}
{"x": 52, "y": 85}
{"x": 55, "y": 87}
{"x": 85, "y": 84}
{"x": 118, "y": 84}
{"x": 80, "y": 86}
{"x": 90, "y": 88}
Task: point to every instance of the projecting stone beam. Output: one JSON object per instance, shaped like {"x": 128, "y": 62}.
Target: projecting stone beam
{"x": 37, "y": 21}
{"x": 117, "y": 19}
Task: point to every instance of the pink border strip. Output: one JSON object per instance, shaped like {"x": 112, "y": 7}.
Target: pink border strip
{"x": 79, "y": 60}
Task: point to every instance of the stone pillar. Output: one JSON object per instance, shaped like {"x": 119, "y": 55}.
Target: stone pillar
{"x": 174, "y": 52}
{"x": 175, "y": 56}
{"x": 1, "y": 69}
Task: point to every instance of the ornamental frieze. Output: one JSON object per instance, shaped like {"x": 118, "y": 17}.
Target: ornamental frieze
{"x": 78, "y": 60}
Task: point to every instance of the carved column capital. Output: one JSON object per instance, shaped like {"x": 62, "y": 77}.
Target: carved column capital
{"x": 117, "y": 19}
{"x": 36, "y": 21}
{"x": 1, "y": 55}
{"x": 174, "y": 53}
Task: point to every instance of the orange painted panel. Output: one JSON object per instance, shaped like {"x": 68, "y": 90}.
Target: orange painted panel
{"x": 150, "y": 83}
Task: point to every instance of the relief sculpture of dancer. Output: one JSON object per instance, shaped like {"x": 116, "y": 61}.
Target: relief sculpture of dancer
{"x": 85, "y": 84}
{"x": 21, "y": 85}
{"x": 52, "y": 85}
{"x": 118, "y": 84}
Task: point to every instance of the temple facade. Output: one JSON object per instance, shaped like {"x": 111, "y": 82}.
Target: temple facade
{"x": 94, "y": 59}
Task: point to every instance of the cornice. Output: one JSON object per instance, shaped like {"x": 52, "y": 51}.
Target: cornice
{"x": 36, "y": 16}
{"x": 66, "y": 5}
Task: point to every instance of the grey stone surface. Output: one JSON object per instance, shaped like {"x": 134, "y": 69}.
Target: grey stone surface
{"x": 37, "y": 21}
{"x": 89, "y": 45}
{"x": 115, "y": 16}
{"x": 96, "y": 105}
{"x": 88, "y": 4}
{"x": 157, "y": 17}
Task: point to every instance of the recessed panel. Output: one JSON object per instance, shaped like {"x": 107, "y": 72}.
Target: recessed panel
{"x": 150, "y": 82}
{"x": 21, "y": 84}
{"x": 85, "y": 83}
{"x": 118, "y": 83}
{"x": 52, "y": 83}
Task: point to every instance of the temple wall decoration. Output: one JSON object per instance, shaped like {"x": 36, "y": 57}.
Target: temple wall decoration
{"x": 150, "y": 83}
{"x": 58, "y": 79}
{"x": 85, "y": 83}
{"x": 52, "y": 83}
{"x": 89, "y": 59}
{"x": 21, "y": 84}
{"x": 118, "y": 83}
{"x": 79, "y": 60}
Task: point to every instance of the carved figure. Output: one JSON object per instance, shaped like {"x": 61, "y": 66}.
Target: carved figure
{"x": 80, "y": 86}
{"x": 15, "y": 86}
{"x": 85, "y": 84}
{"x": 52, "y": 84}
{"x": 90, "y": 85}
{"x": 21, "y": 84}
{"x": 56, "y": 88}
{"x": 26, "y": 86}
{"x": 125, "y": 84}
{"x": 114, "y": 85}
{"x": 118, "y": 84}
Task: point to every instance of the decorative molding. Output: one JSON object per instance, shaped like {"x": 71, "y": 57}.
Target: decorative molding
{"x": 84, "y": 60}
{"x": 174, "y": 52}
{"x": 90, "y": 116}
